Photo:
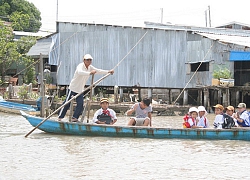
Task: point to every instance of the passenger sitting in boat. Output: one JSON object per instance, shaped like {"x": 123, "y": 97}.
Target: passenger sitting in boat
{"x": 105, "y": 115}
{"x": 230, "y": 112}
{"x": 219, "y": 119}
{"x": 190, "y": 120}
{"x": 202, "y": 119}
{"x": 242, "y": 116}
{"x": 143, "y": 111}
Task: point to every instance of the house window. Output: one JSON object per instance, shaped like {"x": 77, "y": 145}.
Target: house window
{"x": 204, "y": 66}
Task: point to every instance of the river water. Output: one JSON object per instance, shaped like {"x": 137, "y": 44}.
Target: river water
{"x": 47, "y": 156}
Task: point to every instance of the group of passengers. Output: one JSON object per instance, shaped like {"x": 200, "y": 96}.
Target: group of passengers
{"x": 196, "y": 117}
{"x": 225, "y": 117}
{"x": 141, "y": 109}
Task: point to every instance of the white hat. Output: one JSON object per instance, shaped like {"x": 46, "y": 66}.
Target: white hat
{"x": 201, "y": 108}
{"x": 87, "y": 56}
{"x": 242, "y": 105}
{"x": 193, "y": 109}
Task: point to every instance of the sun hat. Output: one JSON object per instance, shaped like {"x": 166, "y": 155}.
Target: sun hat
{"x": 242, "y": 105}
{"x": 87, "y": 56}
{"x": 193, "y": 109}
{"x": 219, "y": 106}
{"x": 201, "y": 108}
{"x": 104, "y": 100}
{"x": 230, "y": 108}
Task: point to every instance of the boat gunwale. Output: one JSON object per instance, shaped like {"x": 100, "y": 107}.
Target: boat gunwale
{"x": 233, "y": 129}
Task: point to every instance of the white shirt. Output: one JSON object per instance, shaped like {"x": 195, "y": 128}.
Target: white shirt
{"x": 191, "y": 122}
{"x": 219, "y": 119}
{"x": 141, "y": 113}
{"x": 201, "y": 122}
{"x": 81, "y": 77}
{"x": 99, "y": 112}
{"x": 245, "y": 117}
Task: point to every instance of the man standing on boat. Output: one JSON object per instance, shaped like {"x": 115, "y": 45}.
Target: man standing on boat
{"x": 77, "y": 84}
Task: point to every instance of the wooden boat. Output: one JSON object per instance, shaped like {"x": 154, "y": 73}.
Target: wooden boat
{"x": 86, "y": 129}
{"x": 12, "y": 107}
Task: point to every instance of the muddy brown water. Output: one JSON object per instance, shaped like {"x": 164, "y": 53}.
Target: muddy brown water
{"x": 48, "y": 156}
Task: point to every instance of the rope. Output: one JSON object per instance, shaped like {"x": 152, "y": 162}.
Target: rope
{"x": 194, "y": 73}
{"x": 26, "y": 68}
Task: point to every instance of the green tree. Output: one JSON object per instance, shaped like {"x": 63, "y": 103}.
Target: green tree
{"x": 8, "y": 47}
{"x": 23, "y": 15}
{"x": 23, "y": 46}
{"x": 15, "y": 52}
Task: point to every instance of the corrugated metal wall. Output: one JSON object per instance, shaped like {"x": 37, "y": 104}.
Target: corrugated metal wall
{"x": 157, "y": 61}
{"x": 160, "y": 59}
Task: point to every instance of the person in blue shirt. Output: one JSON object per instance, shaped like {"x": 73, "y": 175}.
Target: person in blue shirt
{"x": 242, "y": 116}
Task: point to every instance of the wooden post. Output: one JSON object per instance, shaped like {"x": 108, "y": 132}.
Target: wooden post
{"x": 116, "y": 94}
{"x": 90, "y": 98}
{"x": 200, "y": 97}
{"x": 170, "y": 96}
{"x": 215, "y": 97}
{"x": 237, "y": 97}
{"x": 139, "y": 94}
{"x": 219, "y": 96}
{"x": 228, "y": 97}
{"x": 185, "y": 97}
{"x": 10, "y": 90}
{"x": 121, "y": 94}
{"x": 242, "y": 96}
{"x": 224, "y": 98}
{"x": 208, "y": 102}
{"x": 42, "y": 110}
{"x": 42, "y": 92}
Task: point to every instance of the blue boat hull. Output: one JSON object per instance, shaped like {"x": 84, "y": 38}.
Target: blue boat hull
{"x": 12, "y": 107}
{"x": 83, "y": 129}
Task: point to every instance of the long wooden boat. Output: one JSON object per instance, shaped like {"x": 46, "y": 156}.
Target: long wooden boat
{"x": 86, "y": 129}
{"x": 12, "y": 107}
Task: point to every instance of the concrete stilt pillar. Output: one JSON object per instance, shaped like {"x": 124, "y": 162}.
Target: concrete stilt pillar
{"x": 150, "y": 92}
{"x": 121, "y": 94}
{"x": 116, "y": 94}
{"x": 185, "y": 97}
{"x": 206, "y": 96}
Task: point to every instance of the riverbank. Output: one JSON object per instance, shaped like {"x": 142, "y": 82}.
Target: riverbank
{"x": 159, "y": 109}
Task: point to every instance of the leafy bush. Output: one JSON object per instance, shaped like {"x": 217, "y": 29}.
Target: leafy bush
{"x": 23, "y": 92}
{"x": 222, "y": 73}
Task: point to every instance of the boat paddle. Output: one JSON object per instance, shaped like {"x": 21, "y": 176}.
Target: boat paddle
{"x": 67, "y": 102}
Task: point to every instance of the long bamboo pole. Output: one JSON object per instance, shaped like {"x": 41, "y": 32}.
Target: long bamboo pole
{"x": 67, "y": 102}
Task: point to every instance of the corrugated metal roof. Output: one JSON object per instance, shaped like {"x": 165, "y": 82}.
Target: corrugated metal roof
{"x": 37, "y": 34}
{"x": 222, "y": 31}
{"x": 42, "y": 46}
{"x": 240, "y": 40}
